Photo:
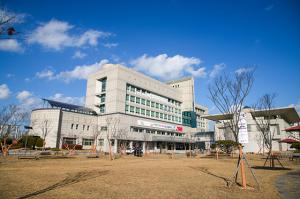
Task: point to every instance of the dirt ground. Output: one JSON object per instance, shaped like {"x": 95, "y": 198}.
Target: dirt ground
{"x": 155, "y": 176}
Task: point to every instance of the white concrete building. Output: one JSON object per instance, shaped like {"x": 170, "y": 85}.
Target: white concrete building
{"x": 283, "y": 118}
{"x": 147, "y": 112}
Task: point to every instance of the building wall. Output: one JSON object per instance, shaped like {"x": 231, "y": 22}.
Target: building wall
{"x": 202, "y": 123}
{"x": 254, "y": 135}
{"x": 186, "y": 88}
{"x": 118, "y": 81}
{"x": 66, "y": 128}
{"x": 117, "y": 78}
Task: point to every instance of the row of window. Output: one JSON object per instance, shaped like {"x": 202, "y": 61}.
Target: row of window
{"x": 152, "y": 104}
{"x": 85, "y": 142}
{"x": 200, "y": 124}
{"x": 76, "y": 126}
{"x": 141, "y": 130}
{"x": 137, "y": 90}
{"x": 153, "y": 114}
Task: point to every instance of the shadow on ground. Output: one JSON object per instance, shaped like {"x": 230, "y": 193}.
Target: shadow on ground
{"x": 205, "y": 170}
{"x": 271, "y": 168}
{"x": 72, "y": 179}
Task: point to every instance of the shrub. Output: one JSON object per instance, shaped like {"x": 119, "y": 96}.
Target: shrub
{"x": 227, "y": 146}
{"x": 71, "y": 146}
{"x": 32, "y": 141}
{"x": 55, "y": 149}
{"x": 295, "y": 146}
{"x": 39, "y": 142}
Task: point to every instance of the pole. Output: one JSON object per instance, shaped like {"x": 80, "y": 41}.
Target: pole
{"x": 244, "y": 183}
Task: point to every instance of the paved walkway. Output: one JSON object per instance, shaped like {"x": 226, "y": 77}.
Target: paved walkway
{"x": 288, "y": 185}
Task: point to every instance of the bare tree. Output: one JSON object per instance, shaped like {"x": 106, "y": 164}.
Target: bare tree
{"x": 12, "y": 118}
{"x": 8, "y": 21}
{"x": 112, "y": 125}
{"x": 265, "y": 121}
{"x": 44, "y": 127}
{"x": 228, "y": 94}
{"x": 122, "y": 143}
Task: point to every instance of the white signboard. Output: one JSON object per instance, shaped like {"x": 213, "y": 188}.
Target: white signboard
{"x": 243, "y": 132}
{"x": 169, "y": 127}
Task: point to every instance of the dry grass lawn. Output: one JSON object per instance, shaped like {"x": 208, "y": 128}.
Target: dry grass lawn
{"x": 155, "y": 176}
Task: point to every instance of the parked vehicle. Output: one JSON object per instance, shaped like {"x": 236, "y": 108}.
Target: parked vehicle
{"x": 138, "y": 152}
{"x": 129, "y": 151}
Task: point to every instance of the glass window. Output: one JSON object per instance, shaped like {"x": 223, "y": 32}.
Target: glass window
{"x": 143, "y": 111}
{"x": 126, "y": 108}
{"x": 157, "y": 105}
{"x": 88, "y": 128}
{"x": 76, "y": 126}
{"x": 143, "y": 101}
{"x": 72, "y": 126}
{"x": 132, "y": 89}
{"x": 161, "y": 107}
{"x": 152, "y": 104}
{"x": 165, "y": 116}
{"x": 87, "y": 142}
{"x": 138, "y": 90}
{"x": 152, "y": 113}
{"x": 101, "y": 142}
{"x": 102, "y": 98}
{"x": 148, "y": 102}
{"x": 131, "y": 109}
{"x": 103, "y": 128}
{"x": 83, "y": 127}
{"x": 147, "y": 112}
{"x": 137, "y": 110}
{"x": 127, "y": 97}
{"x": 102, "y": 108}
{"x": 128, "y": 87}
{"x": 69, "y": 140}
{"x": 157, "y": 114}
{"x": 137, "y": 100}
{"x": 161, "y": 115}
{"x": 132, "y": 98}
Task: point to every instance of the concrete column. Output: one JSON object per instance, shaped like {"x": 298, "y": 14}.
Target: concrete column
{"x": 144, "y": 147}
{"x": 115, "y": 149}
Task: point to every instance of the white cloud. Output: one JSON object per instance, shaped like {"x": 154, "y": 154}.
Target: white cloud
{"x": 79, "y": 72}
{"x": 71, "y": 100}
{"x": 9, "y": 75}
{"x": 243, "y": 70}
{"x": 79, "y": 55}
{"x": 166, "y": 67}
{"x": 23, "y": 95}
{"x": 27, "y": 79}
{"x": 45, "y": 74}
{"x": 56, "y": 35}
{"x": 10, "y": 45}
{"x": 269, "y": 7}
{"x": 4, "y": 91}
{"x": 110, "y": 45}
{"x": 200, "y": 72}
{"x": 28, "y": 101}
{"x": 216, "y": 70}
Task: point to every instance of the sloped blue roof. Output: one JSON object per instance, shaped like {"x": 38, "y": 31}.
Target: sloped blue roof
{"x": 70, "y": 107}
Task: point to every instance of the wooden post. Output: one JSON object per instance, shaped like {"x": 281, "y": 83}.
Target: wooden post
{"x": 244, "y": 183}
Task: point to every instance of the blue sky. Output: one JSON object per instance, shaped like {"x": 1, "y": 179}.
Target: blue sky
{"x": 62, "y": 42}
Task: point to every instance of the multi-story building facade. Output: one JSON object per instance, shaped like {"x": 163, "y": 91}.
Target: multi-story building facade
{"x": 281, "y": 119}
{"x": 147, "y": 112}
